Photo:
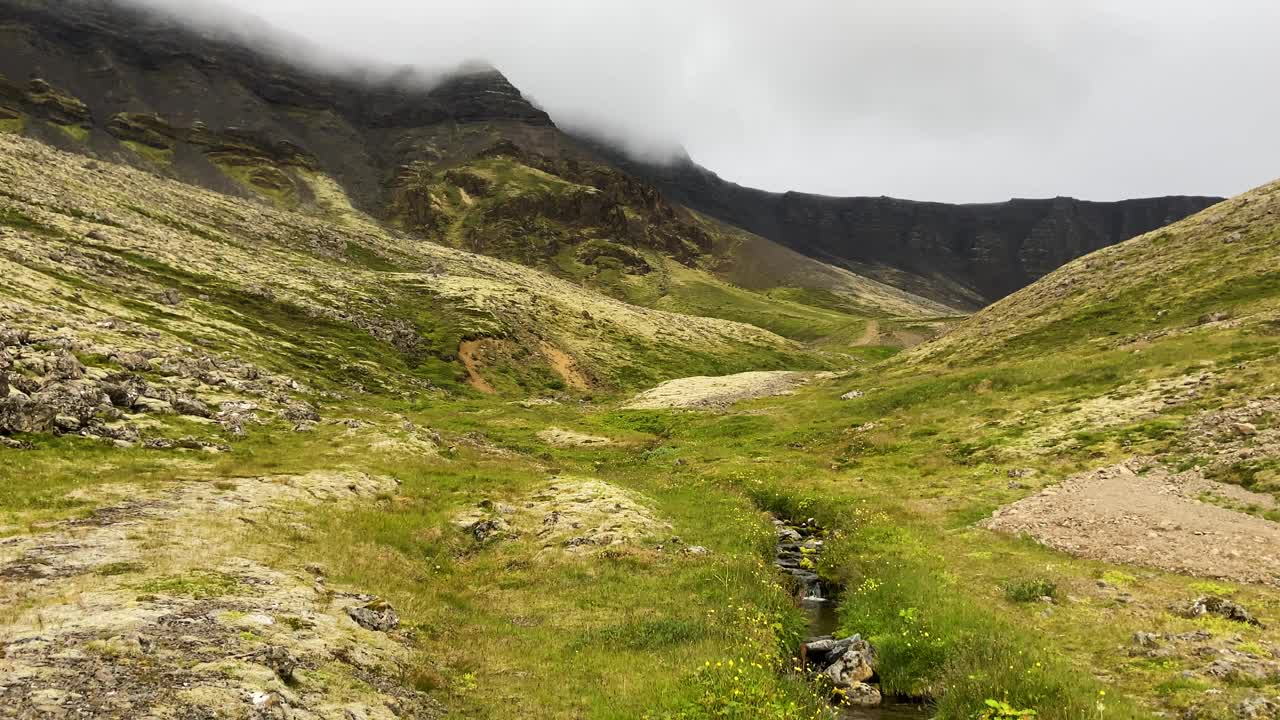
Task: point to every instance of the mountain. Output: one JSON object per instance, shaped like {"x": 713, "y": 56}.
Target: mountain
{"x": 465, "y": 158}
{"x": 400, "y": 403}
{"x": 965, "y": 255}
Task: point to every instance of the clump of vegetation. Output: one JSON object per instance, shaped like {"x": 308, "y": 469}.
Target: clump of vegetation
{"x": 1001, "y": 710}
{"x": 119, "y": 568}
{"x": 1022, "y": 591}
{"x": 198, "y": 584}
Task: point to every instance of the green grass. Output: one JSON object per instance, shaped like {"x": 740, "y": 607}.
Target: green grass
{"x": 1030, "y": 590}
{"x": 198, "y": 585}
{"x": 77, "y": 133}
{"x": 13, "y": 126}
{"x": 159, "y": 157}
{"x": 698, "y": 294}
{"x": 898, "y": 478}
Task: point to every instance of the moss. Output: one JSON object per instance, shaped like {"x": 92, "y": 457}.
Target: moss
{"x": 152, "y": 155}
{"x": 14, "y": 218}
{"x": 13, "y": 125}
{"x": 200, "y": 585}
{"x": 119, "y": 568}
{"x": 368, "y": 258}
{"x": 260, "y": 177}
{"x": 76, "y": 132}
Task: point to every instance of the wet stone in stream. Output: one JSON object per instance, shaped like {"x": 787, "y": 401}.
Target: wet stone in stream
{"x": 847, "y": 664}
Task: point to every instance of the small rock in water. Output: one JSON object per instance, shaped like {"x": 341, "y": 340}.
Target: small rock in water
{"x": 862, "y": 695}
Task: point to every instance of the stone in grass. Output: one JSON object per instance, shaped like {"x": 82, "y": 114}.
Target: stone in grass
{"x": 1257, "y": 708}
{"x": 281, "y": 661}
{"x": 846, "y": 662}
{"x": 377, "y": 615}
{"x": 1222, "y": 607}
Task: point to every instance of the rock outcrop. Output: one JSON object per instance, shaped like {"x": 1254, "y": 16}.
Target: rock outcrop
{"x": 141, "y": 83}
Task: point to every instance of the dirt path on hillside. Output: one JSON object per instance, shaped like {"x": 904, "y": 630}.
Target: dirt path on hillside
{"x": 149, "y": 609}
{"x": 870, "y": 334}
{"x": 1141, "y": 513}
{"x": 717, "y": 393}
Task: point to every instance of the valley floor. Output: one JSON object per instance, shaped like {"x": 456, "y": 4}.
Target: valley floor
{"x": 259, "y": 464}
{"x": 628, "y": 575}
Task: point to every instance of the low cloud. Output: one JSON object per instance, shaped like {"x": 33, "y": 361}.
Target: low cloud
{"x": 929, "y": 99}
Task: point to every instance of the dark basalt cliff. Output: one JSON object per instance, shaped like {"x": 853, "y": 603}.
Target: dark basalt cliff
{"x": 961, "y": 254}
{"x": 130, "y": 75}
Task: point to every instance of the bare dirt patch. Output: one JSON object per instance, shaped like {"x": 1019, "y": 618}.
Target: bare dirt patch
{"x": 569, "y": 438}
{"x": 469, "y": 353}
{"x": 1141, "y": 513}
{"x": 717, "y": 393}
{"x": 870, "y": 334}
{"x": 563, "y": 364}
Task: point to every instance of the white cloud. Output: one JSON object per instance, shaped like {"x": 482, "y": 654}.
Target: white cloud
{"x": 953, "y": 100}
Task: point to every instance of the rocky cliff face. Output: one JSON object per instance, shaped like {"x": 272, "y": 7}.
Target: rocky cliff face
{"x": 132, "y": 86}
{"x": 961, "y": 254}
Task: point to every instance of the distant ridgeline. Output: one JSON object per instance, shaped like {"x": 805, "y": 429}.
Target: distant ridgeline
{"x": 965, "y": 255}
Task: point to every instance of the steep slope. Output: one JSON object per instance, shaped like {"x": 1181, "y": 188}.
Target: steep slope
{"x": 244, "y": 475}
{"x": 964, "y": 255}
{"x": 1213, "y": 270}
{"x": 197, "y": 300}
{"x": 460, "y": 158}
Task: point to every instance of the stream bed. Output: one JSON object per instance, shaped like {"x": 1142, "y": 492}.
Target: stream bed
{"x": 798, "y": 551}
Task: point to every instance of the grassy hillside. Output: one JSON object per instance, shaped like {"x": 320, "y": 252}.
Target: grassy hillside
{"x": 298, "y": 294}
{"x": 510, "y": 190}
{"x": 1213, "y": 270}
{"x": 591, "y": 224}
{"x": 231, "y": 429}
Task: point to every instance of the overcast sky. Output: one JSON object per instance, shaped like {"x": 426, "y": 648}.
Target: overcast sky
{"x": 949, "y": 100}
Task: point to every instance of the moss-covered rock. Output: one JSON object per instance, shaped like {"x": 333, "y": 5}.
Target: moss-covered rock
{"x": 631, "y": 261}
{"x": 150, "y": 130}
{"x": 42, "y": 100}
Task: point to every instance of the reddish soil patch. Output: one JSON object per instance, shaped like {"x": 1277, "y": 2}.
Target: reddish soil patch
{"x": 469, "y": 353}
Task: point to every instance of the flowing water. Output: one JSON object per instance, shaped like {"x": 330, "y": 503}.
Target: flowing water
{"x": 798, "y": 550}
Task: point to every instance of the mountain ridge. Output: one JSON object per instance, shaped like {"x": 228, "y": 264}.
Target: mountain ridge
{"x": 970, "y": 254}
{"x": 134, "y": 86}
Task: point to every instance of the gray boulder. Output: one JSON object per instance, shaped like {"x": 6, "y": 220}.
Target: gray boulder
{"x": 20, "y": 414}
{"x": 862, "y": 695}
{"x": 187, "y": 405}
{"x": 125, "y": 390}
{"x": 65, "y": 366}
{"x": 1221, "y": 607}
{"x": 377, "y": 615}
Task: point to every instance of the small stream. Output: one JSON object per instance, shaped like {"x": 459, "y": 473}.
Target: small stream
{"x": 798, "y": 550}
